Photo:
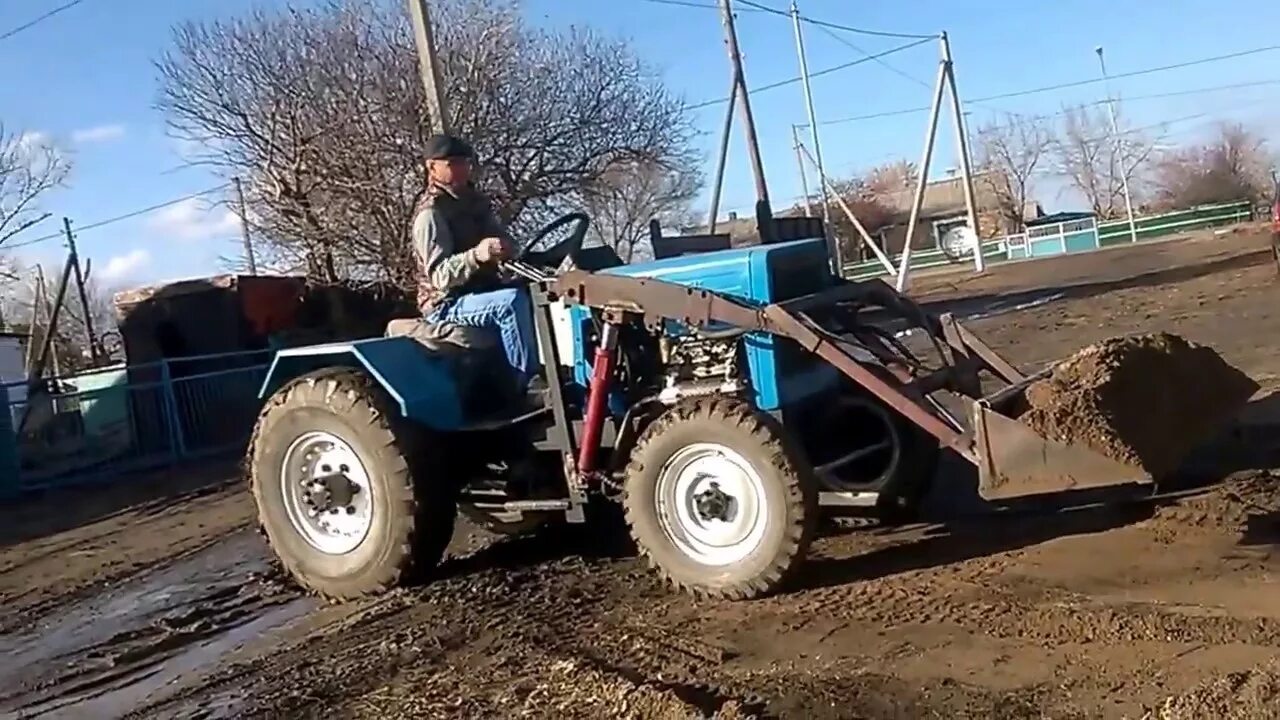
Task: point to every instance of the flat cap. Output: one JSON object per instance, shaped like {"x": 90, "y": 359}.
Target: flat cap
{"x": 441, "y": 147}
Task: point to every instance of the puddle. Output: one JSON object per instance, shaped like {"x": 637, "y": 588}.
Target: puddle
{"x": 132, "y": 644}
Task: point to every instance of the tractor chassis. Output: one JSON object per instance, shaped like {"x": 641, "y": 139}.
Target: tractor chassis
{"x": 621, "y": 300}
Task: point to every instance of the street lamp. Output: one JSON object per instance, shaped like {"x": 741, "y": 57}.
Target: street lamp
{"x": 1115, "y": 130}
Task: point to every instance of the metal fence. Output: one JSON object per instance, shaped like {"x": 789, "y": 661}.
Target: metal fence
{"x": 96, "y": 425}
{"x": 1148, "y": 227}
{"x": 1072, "y": 237}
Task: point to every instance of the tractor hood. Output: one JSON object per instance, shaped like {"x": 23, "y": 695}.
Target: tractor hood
{"x": 757, "y": 274}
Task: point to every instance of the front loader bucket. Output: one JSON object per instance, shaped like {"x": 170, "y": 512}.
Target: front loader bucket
{"x": 1014, "y": 461}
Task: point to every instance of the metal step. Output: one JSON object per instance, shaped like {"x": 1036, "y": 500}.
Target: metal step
{"x": 526, "y": 505}
{"x": 848, "y": 499}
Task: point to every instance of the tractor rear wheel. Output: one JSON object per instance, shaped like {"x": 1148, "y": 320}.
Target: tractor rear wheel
{"x": 717, "y": 502}
{"x": 875, "y": 450}
{"x": 331, "y": 470}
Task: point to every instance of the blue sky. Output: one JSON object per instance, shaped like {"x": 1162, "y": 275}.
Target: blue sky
{"x": 86, "y": 79}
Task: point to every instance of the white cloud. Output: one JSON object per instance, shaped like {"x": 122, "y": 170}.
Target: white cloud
{"x": 193, "y": 220}
{"x": 37, "y": 149}
{"x": 98, "y": 133}
{"x": 33, "y": 139}
{"x": 123, "y": 266}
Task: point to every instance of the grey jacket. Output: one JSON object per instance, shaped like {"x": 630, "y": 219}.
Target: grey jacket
{"x": 446, "y": 230}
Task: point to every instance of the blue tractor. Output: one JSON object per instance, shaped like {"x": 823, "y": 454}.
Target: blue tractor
{"x": 721, "y": 398}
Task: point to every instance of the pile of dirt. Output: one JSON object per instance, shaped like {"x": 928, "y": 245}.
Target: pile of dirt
{"x": 1146, "y": 399}
{"x": 576, "y": 689}
{"x": 1236, "y": 696}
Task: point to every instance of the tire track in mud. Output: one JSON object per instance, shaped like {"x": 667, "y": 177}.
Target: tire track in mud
{"x": 494, "y": 624}
{"x": 505, "y": 631}
{"x": 105, "y": 655}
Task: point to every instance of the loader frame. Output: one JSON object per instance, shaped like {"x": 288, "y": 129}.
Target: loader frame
{"x": 618, "y": 297}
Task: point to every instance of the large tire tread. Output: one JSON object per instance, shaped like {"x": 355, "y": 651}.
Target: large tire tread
{"x": 423, "y": 513}
{"x": 801, "y": 499}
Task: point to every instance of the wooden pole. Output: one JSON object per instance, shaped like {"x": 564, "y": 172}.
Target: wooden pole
{"x": 744, "y": 101}
{"x": 429, "y": 65}
{"x": 244, "y": 229}
{"x": 84, "y": 295}
{"x": 723, "y": 158}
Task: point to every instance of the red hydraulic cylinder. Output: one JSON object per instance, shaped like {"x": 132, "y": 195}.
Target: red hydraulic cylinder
{"x": 597, "y": 397}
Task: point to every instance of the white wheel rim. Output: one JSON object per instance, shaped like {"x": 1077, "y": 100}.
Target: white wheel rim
{"x": 731, "y": 531}
{"x": 335, "y": 530}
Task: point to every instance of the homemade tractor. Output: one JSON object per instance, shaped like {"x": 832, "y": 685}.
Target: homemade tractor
{"x": 720, "y": 397}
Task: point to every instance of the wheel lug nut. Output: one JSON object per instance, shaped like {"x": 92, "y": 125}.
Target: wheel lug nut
{"x": 351, "y": 510}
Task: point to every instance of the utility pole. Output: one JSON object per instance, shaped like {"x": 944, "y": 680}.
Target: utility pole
{"x": 833, "y": 247}
{"x": 962, "y": 143}
{"x": 244, "y": 228}
{"x": 931, "y": 132}
{"x": 429, "y": 65}
{"x": 853, "y": 219}
{"x": 804, "y": 175}
{"x": 42, "y": 308}
{"x": 723, "y": 158}
{"x": 84, "y": 295}
{"x": 1115, "y": 130}
{"x": 748, "y": 122}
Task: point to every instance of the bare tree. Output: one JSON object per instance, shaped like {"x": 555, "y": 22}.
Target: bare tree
{"x": 1009, "y": 154}
{"x": 1096, "y": 161}
{"x": 25, "y": 311}
{"x": 889, "y": 178}
{"x": 1235, "y": 165}
{"x": 868, "y": 198}
{"x": 30, "y": 166}
{"x": 623, "y": 200}
{"x": 320, "y": 110}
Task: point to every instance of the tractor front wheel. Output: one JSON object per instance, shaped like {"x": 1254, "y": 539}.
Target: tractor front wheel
{"x": 717, "y": 502}
{"x": 331, "y": 472}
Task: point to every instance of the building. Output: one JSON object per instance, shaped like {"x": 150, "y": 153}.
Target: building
{"x": 943, "y": 211}
{"x": 943, "y": 214}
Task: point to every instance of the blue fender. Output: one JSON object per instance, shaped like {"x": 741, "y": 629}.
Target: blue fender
{"x": 420, "y": 383}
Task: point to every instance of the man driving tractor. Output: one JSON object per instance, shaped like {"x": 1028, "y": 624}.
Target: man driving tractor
{"x": 459, "y": 242}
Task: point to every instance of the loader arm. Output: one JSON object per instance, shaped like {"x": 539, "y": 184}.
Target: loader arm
{"x": 1012, "y": 459}
{"x": 656, "y": 301}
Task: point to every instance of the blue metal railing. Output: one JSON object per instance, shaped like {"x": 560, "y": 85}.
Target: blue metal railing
{"x": 96, "y": 425}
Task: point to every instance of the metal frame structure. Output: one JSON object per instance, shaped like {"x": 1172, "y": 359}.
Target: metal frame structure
{"x": 1005, "y": 452}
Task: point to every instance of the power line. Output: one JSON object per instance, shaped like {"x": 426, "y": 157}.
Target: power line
{"x": 32, "y": 23}
{"x": 684, "y": 4}
{"x": 757, "y": 7}
{"x": 1132, "y": 73}
{"x": 1216, "y": 88}
{"x": 827, "y": 71}
{"x": 879, "y": 61}
{"x": 837, "y": 26}
{"x": 119, "y": 218}
{"x": 1060, "y": 86}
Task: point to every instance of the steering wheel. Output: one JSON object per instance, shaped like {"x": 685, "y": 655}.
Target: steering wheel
{"x": 553, "y": 256}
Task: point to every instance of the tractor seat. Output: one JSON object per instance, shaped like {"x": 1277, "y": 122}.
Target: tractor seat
{"x": 473, "y": 354}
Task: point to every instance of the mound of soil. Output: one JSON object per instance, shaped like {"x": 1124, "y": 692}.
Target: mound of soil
{"x": 1146, "y": 400}
{"x": 1235, "y": 696}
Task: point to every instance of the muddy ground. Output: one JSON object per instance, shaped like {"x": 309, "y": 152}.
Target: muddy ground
{"x": 156, "y": 599}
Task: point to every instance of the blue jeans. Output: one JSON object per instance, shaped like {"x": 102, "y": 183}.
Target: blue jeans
{"x": 508, "y": 311}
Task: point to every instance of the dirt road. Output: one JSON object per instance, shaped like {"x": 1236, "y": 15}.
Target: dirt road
{"x": 1159, "y": 609}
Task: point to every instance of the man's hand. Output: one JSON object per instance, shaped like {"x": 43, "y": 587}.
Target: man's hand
{"x": 492, "y": 250}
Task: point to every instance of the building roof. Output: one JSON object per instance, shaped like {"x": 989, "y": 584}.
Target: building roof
{"x": 189, "y": 287}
